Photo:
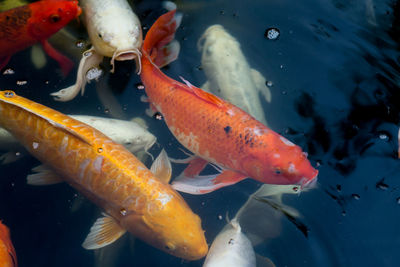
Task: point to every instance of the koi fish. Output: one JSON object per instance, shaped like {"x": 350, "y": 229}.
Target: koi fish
{"x": 132, "y": 196}
{"x": 229, "y": 74}
{"x": 231, "y": 248}
{"x": 8, "y": 256}
{"x": 23, "y": 26}
{"x": 115, "y": 32}
{"x": 213, "y": 129}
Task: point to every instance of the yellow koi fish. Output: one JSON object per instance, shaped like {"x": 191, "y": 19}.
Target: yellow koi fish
{"x": 107, "y": 174}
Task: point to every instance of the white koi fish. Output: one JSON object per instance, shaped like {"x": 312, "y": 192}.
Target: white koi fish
{"x": 229, "y": 75}
{"x": 114, "y": 31}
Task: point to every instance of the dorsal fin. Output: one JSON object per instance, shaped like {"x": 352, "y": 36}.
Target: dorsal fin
{"x": 208, "y": 97}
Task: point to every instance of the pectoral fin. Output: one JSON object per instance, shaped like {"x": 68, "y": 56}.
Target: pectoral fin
{"x": 104, "y": 231}
{"x": 65, "y": 63}
{"x": 259, "y": 81}
{"x": 203, "y": 184}
{"x": 161, "y": 167}
{"x": 43, "y": 176}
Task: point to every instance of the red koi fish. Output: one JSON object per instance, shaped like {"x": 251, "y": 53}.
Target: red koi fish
{"x": 216, "y": 131}
{"x": 23, "y": 26}
{"x": 8, "y": 256}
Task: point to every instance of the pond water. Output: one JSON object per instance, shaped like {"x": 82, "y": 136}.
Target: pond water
{"x": 333, "y": 74}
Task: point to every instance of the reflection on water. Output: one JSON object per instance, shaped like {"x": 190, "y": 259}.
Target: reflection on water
{"x": 334, "y": 80}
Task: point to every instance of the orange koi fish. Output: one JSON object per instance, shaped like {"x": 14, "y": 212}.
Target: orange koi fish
{"x": 8, "y": 256}
{"x": 23, "y": 26}
{"x": 216, "y": 131}
{"x": 106, "y": 173}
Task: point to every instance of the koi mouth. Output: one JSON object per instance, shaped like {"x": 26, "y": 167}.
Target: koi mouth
{"x": 133, "y": 54}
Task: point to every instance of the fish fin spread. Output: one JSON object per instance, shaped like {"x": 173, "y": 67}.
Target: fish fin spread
{"x": 206, "y": 86}
{"x": 206, "y": 183}
{"x": 43, "y": 176}
{"x": 65, "y": 63}
{"x": 196, "y": 165}
{"x": 167, "y": 54}
{"x": 5, "y": 237}
{"x": 161, "y": 167}
{"x": 90, "y": 59}
{"x": 4, "y": 61}
{"x": 260, "y": 82}
{"x": 38, "y": 57}
{"x": 104, "y": 231}
{"x": 10, "y": 157}
{"x": 206, "y": 96}
{"x": 160, "y": 34}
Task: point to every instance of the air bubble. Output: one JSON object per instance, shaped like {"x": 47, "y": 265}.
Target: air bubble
{"x": 139, "y": 86}
{"x": 356, "y": 196}
{"x": 158, "y": 116}
{"x": 272, "y": 33}
{"x": 381, "y": 185}
{"x": 219, "y": 217}
{"x": 22, "y": 82}
{"x": 80, "y": 44}
{"x": 269, "y": 83}
{"x": 8, "y": 72}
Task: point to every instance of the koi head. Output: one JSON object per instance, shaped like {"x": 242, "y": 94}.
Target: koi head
{"x": 50, "y": 16}
{"x": 116, "y": 35}
{"x": 171, "y": 227}
{"x": 283, "y": 163}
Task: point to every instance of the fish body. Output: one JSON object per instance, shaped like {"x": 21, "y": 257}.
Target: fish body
{"x": 231, "y": 248}
{"x": 228, "y": 73}
{"x": 23, "y": 26}
{"x": 8, "y": 256}
{"x": 108, "y": 175}
{"x": 114, "y": 31}
{"x": 215, "y": 130}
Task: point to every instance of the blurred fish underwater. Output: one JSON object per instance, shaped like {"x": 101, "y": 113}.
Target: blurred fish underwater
{"x": 328, "y": 80}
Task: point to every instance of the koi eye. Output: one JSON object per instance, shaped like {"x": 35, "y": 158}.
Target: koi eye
{"x": 277, "y": 171}
{"x": 100, "y": 36}
{"x": 54, "y": 18}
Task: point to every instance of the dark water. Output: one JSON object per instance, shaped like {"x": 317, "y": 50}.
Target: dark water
{"x": 335, "y": 75}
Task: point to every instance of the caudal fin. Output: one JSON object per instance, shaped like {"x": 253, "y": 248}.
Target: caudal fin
{"x": 159, "y": 45}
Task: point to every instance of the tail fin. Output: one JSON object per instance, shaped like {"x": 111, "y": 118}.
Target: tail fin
{"x": 162, "y": 33}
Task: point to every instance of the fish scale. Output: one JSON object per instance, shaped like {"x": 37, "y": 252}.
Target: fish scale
{"x": 107, "y": 174}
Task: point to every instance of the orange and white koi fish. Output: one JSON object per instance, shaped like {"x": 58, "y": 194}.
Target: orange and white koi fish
{"x": 8, "y": 256}
{"x": 213, "y": 129}
{"x": 23, "y": 26}
{"x": 132, "y": 196}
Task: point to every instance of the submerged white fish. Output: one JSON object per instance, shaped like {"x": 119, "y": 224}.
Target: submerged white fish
{"x": 131, "y": 134}
{"x": 231, "y": 248}
{"x": 228, "y": 73}
{"x": 114, "y": 31}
